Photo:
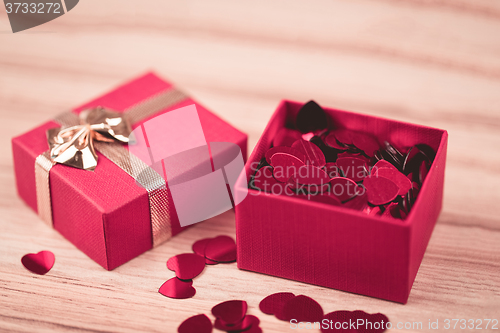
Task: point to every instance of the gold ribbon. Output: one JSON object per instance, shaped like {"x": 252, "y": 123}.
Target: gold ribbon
{"x": 74, "y": 145}
{"x": 114, "y": 151}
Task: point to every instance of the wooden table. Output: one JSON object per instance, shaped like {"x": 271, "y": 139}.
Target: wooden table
{"x": 435, "y": 63}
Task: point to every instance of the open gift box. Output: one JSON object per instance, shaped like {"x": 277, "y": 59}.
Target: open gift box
{"x": 333, "y": 246}
{"x": 109, "y": 213}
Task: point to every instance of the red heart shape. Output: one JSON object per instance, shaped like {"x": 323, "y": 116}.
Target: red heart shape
{"x": 284, "y": 150}
{"x": 382, "y": 164}
{"x": 332, "y": 142}
{"x": 186, "y": 266}
{"x": 332, "y": 170}
{"x": 396, "y": 177}
{"x": 353, "y": 168}
{"x": 313, "y": 154}
{"x": 359, "y": 202}
{"x": 175, "y": 288}
{"x": 199, "y": 249}
{"x": 310, "y": 174}
{"x": 230, "y": 312}
{"x": 343, "y": 188}
{"x": 196, "y": 324}
{"x": 380, "y": 190}
{"x": 242, "y": 325}
{"x": 221, "y": 249}
{"x": 274, "y": 303}
{"x": 366, "y": 143}
{"x": 302, "y": 308}
{"x": 285, "y": 166}
{"x": 344, "y": 136}
{"x": 39, "y": 263}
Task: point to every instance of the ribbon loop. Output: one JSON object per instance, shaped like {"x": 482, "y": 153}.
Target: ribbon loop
{"x": 74, "y": 146}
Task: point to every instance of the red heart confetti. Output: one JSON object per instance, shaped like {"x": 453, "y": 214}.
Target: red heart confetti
{"x": 382, "y": 164}
{"x": 332, "y": 142}
{"x": 199, "y": 248}
{"x": 39, "y": 263}
{"x": 343, "y": 188}
{"x": 175, "y": 288}
{"x": 310, "y": 174}
{"x": 285, "y": 166}
{"x": 396, "y": 177}
{"x": 380, "y": 190}
{"x": 311, "y": 117}
{"x": 302, "y": 308}
{"x": 274, "y": 303}
{"x": 366, "y": 143}
{"x": 243, "y": 325}
{"x": 344, "y": 136}
{"x": 285, "y": 150}
{"x": 230, "y": 312}
{"x": 313, "y": 154}
{"x": 186, "y": 266}
{"x": 353, "y": 168}
{"x": 332, "y": 170}
{"x": 350, "y": 155}
{"x": 196, "y": 324}
{"x": 221, "y": 249}
{"x": 358, "y": 202}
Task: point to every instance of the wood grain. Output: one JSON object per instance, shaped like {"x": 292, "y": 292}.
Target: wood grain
{"x": 435, "y": 63}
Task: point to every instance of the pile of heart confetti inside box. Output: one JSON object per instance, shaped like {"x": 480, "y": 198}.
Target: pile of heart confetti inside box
{"x": 344, "y": 167}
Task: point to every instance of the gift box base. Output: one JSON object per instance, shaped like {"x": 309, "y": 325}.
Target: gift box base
{"x": 333, "y": 246}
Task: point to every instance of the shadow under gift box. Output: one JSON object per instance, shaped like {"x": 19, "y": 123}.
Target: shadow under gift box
{"x": 104, "y": 212}
{"x": 334, "y": 246}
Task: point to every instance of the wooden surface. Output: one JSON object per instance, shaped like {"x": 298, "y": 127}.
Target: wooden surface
{"x": 435, "y": 63}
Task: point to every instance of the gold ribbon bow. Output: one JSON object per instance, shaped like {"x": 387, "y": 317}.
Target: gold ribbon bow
{"x": 74, "y": 146}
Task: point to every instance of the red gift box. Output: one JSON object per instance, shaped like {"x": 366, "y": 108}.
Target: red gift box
{"x": 333, "y": 246}
{"x": 104, "y": 212}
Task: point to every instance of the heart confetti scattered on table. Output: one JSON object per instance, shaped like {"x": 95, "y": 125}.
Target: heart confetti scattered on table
{"x": 294, "y": 309}
{"x": 347, "y": 321}
{"x": 196, "y": 324}
{"x": 221, "y": 249}
{"x": 360, "y": 172}
{"x": 176, "y": 288}
{"x": 274, "y": 303}
{"x": 230, "y": 312}
{"x": 186, "y": 266}
{"x": 230, "y": 316}
{"x": 199, "y": 249}
{"x": 302, "y": 308}
{"x": 243, "y": 325}
{"x": 39, "y": 263}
